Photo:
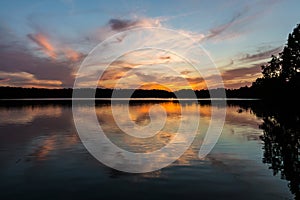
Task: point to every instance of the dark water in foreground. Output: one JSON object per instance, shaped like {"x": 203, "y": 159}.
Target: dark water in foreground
{"x": 42, "y": 157}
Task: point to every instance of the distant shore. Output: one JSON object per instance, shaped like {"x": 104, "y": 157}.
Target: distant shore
{"x": 67, "y": 93}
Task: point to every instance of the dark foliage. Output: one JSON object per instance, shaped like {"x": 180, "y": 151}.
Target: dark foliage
{"x": 281, "y": 137}
{"x": 281, "y": 75}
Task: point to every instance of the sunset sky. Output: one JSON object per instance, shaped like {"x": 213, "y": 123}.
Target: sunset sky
{"x": 42, "y": 43}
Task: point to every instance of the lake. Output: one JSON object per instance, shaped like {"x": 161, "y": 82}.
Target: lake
{"x": 42, "y": 157}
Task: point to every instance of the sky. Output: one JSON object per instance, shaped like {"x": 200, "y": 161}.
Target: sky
{"x": 43, "y": 43}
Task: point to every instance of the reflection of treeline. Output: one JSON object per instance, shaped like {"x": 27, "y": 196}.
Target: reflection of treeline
{"x": 281, "y": 149}
{"x": 17, "y": 93}
{"x": 281, "y": 138}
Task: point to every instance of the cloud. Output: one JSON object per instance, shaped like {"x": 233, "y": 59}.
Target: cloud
{"x": 185, "y": 72}
{"x": 221, "y": 32}
{"x": 165, "y": 57}
{"x": 71, "y": 54}
{"x": 42, "y": 68}
{"x": 116, "y": 70}
{"x": 215, "y": 31}
{"x": 261, "y": 55}
{"x": 241, "y": 72}
{"x": 116, "y": 25}
{"x": 44, "y": 43}
{"x": 123, "y": 24}
{"x": 235, "y": 78}
{"x": 37, "y": 60}
{"x": 24, "y": 79}
{"x": 238, "y": 83}
{"x": 19, "y": 59}
{"x": 243, "y": 19}
{"x": 194, "y": 80}
{"x": 156, "y": 86}
{"x": 230, "y": 64}
{"x": 113, "y": 74}
{"x": 50, "y": 50}
{"x": 246, "y": 68}
{"x": 146, "y": 77}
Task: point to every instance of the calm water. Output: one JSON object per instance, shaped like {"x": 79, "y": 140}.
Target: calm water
{"x": 42, "y": 156}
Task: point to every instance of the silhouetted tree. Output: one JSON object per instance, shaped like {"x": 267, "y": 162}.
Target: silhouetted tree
{"x": 273, "y": 68}
{"x": 281, "y": 75}
{"x": 291, "y": 55}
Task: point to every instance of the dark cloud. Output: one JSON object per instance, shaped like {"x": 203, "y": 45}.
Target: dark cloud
{"x": 120, "y": 24}
{"x": 123, "y": 24}
{"x": 165, "y": 57}
{"x": 41, "y": 68}
{"x": 235, "y": 78}
{"x": 241, "y": 72}
{"x": 261, "y": 55}
{"x": 195, "y": 80}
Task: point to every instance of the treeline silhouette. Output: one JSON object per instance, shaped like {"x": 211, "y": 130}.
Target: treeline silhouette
{"x": 281, "y": 75}
{"x": 18, "y": 93}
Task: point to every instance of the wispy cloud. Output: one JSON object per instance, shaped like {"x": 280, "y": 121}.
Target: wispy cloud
{"x": 44, "y": 43}
{"x": 236, "y": 26}
{"x": 261, "y": 55}
{"x": 52, "y": 50}
{"x": 216, "y": 31}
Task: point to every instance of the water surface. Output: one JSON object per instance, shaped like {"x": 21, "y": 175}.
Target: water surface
{"x": 42, "y": 156}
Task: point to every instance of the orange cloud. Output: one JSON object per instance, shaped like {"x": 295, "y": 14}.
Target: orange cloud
{"x": 197, "y": 83}
{"x": 48, "y": 48}
{"x": 71, "y": 54}
{"x": 154, "y": 86}
{"x": 43, "y": 42}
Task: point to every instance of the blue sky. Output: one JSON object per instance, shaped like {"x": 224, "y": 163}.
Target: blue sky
{"x": 42, "y": 43}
